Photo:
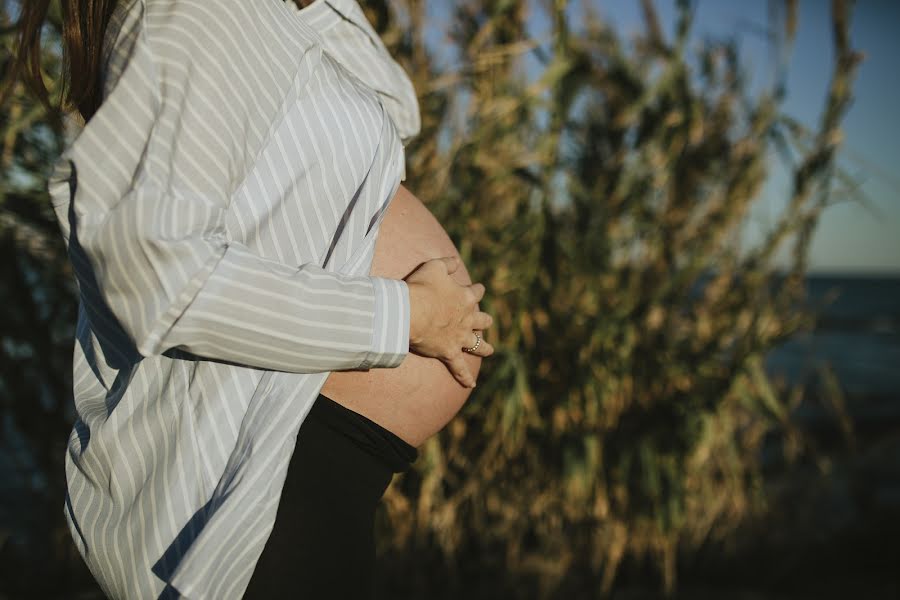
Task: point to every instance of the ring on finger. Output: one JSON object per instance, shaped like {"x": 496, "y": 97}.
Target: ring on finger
{"x": 477, "y": 342}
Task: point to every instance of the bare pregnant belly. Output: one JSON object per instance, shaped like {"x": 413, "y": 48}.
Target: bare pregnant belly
{"x": 419, "y": 397}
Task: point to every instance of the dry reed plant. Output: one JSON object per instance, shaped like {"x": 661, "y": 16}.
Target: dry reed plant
{"x": 600, "y": 200}
{"x": 597, "y": 187}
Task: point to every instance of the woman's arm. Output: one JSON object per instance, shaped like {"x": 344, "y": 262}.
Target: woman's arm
{"x": 151, "y": 185}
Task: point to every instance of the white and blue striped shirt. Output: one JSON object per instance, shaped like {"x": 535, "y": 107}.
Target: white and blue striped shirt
{"x": 220, "y": 211}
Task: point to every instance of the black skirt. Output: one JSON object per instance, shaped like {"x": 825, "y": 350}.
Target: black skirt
{"x": 322, "y": 544}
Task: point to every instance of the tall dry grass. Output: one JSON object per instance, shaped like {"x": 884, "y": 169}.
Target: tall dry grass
{"x": 599, "y": 194}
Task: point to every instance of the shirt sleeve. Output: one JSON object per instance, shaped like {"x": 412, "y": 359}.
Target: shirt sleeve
{"x": 150, "y": 176}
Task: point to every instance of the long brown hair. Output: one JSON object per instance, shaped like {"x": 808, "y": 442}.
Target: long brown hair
{"x": 83, "y": 27}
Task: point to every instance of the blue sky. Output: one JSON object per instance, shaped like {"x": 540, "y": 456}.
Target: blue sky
{"x": 849, "y": 237}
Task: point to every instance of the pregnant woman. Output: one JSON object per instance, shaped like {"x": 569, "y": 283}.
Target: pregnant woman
{"x": 270, "y": 324}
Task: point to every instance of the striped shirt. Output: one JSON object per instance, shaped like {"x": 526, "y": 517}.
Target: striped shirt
{"x": 220, "y": 211}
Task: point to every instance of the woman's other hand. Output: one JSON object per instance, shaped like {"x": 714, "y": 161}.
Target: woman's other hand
{"x": 444, "y": 315}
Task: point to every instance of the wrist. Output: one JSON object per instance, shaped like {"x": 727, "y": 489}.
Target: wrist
{"x": 417, "y": 312}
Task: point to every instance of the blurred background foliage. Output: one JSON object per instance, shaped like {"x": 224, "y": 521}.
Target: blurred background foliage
{"x": 625, "y": 436}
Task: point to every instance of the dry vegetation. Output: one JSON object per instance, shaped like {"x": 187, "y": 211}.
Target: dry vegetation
{"x": 600, "y": 201}
{"x": 598, "y": 195}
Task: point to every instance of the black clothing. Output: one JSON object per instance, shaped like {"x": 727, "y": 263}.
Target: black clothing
{"x": 322, "y": 545}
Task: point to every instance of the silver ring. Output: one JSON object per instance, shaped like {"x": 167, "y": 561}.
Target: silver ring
{"x": 477, "y": 343}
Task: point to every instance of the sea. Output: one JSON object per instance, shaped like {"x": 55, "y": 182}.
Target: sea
{"x": 857, "y": 336}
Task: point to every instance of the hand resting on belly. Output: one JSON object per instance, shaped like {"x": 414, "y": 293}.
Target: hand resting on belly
{"x": 419, "y": 397}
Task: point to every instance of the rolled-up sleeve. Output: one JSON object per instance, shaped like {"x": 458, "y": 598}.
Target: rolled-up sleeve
{"x": 150, "y": 178}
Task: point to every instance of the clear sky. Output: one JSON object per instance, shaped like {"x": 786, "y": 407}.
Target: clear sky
{"x": 850, "y": 237}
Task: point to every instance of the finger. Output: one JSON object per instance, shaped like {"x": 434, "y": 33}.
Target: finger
{"x": 480, "y": 320}
{"x": 452, "y": 263}
{"x": 478, "y": 290}
{"x": 460, "y": 371}
{"x": 484, "y": 349}
{"x": 469, "y": 339}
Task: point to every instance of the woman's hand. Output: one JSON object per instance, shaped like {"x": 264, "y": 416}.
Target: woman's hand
{"x": 444, "y": 315}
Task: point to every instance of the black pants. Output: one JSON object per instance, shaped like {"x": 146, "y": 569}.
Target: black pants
{"x": 322, "y": 544}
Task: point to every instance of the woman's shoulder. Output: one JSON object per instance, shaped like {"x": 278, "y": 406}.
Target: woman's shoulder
{"x": 231, "y": 30}
{"x": 208, "y": 47}
{"x": 226, "y": 26}
{"x": 200, "y": 83}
